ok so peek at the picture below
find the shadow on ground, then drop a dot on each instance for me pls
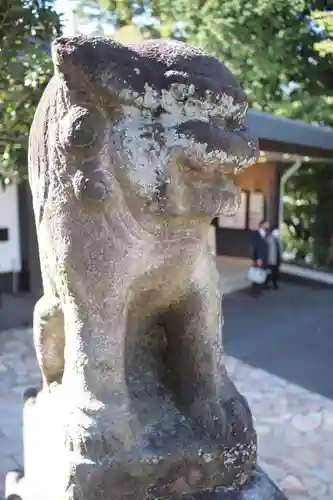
(288, 333)
(16, 311)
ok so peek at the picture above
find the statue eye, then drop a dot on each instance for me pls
(83, 133)
(80, 129)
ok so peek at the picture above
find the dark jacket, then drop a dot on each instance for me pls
(259, 248)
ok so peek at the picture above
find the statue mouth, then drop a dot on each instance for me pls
(209, 172)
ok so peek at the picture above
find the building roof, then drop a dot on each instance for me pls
(283, 135)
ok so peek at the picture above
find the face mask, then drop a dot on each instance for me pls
(275, 233)
(262, 231)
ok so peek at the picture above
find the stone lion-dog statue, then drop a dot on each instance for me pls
(133, 152)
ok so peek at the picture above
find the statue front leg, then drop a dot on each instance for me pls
(49, 338)
(197, 373)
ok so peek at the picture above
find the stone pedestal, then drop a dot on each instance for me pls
(260, 487)
(133, 151)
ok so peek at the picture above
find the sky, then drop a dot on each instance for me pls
(70, 27)
(64, 7)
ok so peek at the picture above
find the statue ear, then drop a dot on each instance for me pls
(71, 63)
(96, 64)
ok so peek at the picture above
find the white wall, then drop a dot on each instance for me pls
(10, 251)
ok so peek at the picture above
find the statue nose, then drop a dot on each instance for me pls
(91, 186)
(219, 145)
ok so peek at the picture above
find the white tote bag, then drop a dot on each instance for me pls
(257, 275)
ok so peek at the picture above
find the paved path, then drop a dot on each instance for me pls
(279, 350)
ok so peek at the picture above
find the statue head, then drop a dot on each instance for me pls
(158, 119)
(131, 143)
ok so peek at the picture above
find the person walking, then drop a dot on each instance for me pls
(274, 258)
(260, 252)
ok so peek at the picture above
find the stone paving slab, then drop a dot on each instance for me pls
(295, 429)
(294, 424)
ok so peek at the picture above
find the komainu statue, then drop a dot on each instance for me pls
(133, 152)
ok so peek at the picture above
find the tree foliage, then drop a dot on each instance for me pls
(26, 28)
(325, 22)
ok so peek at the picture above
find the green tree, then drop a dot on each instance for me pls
(26, 29)
(325, 22)
(307, 214)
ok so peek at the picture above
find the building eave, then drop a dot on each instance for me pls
(290, 136)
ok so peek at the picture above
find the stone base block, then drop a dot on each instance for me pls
(46, 464)
(260, 487)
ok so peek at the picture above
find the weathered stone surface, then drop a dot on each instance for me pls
(132, 153)
(260, 487)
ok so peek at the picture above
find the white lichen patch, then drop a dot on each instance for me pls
(180, 104)
(154, 150)
(142, 150)
(184, 100)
